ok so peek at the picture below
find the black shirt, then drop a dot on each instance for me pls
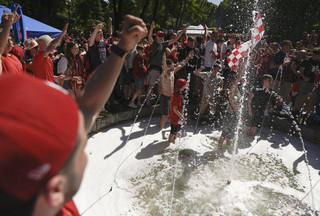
(261, 98)
(279, 57)
(157, 50)
(97, 54)
(310, 67)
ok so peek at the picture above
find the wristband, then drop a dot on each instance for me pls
(118, 51)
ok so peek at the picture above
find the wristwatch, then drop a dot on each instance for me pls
(118, 51)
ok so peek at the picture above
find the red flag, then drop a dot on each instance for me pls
(237, 54)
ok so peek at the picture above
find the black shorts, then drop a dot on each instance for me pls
(164, 104)
(256, 119)
(175, 129)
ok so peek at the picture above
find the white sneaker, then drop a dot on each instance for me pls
(132, 105)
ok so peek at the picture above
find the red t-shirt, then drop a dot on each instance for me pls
(176, 100)
(139, 67)
(69, 209)
(11, 64)
(43, 66)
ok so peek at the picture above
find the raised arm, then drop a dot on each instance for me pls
(197, 72)
(175, 39)
(57, 41)
(151, 32)
(184, 62)
(101, 83)
(7, 21)
(110, 27)
(164, 62)
(204, 37)
(93, 36)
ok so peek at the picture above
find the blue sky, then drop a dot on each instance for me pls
(217, 2)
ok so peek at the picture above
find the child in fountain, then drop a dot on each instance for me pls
(167, 84)
(175, 113)
(231, 117)
(258, 101)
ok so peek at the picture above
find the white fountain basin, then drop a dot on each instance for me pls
(270, 180)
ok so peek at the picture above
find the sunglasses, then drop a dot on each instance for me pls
(160, 35)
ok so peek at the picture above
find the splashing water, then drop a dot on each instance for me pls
(262, 185)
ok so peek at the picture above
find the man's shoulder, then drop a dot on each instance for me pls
(39, 54)
(9, 58)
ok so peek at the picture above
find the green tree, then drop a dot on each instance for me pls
(283, 19)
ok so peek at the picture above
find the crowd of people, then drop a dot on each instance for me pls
(44, 131)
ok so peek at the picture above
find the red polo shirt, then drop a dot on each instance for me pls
(11, 64)
(43, 66)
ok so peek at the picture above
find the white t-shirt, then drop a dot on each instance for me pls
(225, 48)
(62, 66)
(208, 60)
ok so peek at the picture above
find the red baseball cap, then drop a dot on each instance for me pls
(181, 84)
(159, 32)
(38, 132)
(17, 51)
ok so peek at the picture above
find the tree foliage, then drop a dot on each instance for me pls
(84, 14)
(283, 19)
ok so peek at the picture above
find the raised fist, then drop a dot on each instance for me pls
(100, 26)
(134, 29)
(10, 18)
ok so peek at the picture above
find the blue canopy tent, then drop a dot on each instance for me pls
(35, 28)
(28, 27)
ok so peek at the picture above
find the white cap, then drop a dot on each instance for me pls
(45, 38)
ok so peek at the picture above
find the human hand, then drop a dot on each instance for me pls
(110, 20)
(65, 30)
(101, 25)
(184, 29)
(10, 18)
(134, 29)
(153, 25)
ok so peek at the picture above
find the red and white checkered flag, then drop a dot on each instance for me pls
(236, 55)
(257, 31)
